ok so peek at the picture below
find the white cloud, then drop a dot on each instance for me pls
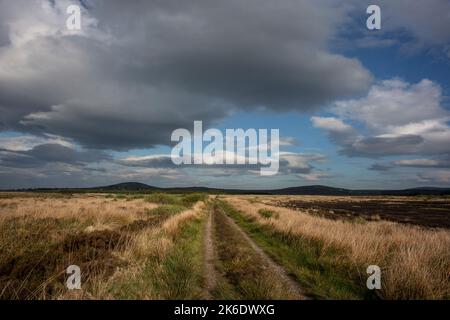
(417, 162)
(140, 70)
(395, 103)
(399, 118)
(339, 131)
(440, 176)
(28, 142)
(331, 124)
(314, 176)
(291, 163)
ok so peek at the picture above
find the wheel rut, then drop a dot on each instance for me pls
(209, 257)
(293, 287)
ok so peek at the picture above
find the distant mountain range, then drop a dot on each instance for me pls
(302, 190)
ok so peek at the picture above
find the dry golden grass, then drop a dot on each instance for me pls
(151, 263)
(158, 241)
(37, 232)
(151, 244)
(41, 235)
(98, 211)
(415, 262)
(330, 198)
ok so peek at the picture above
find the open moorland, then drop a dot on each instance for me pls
(428, 211)
(198, 246)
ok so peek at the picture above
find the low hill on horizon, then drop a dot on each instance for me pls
(300, 190)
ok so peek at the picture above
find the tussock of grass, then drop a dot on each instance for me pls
(266, 213)
(166, 210)
(190, 199)
(181, 271)
(187, 200)
(163, 198)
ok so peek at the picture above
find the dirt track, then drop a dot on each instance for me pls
(293, 288)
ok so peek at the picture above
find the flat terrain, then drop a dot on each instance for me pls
(127, 247)
(423, 211)
(329, 255)
(194, 246)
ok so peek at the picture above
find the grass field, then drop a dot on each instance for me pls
(193, 246)
(126, 247)
(330, 256)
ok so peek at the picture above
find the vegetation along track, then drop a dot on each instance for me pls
(244, 270)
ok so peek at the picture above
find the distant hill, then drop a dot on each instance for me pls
(128, 186)
(301, 190)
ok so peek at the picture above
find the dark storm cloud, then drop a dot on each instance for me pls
(443, 162)
(412, 26)
(423, 163)
(47, 153)
(428, 22)
(164, 161)
(289, 163)
(157, 161)
(140, 69)
(382, 146)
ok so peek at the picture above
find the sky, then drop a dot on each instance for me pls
(355, 108)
